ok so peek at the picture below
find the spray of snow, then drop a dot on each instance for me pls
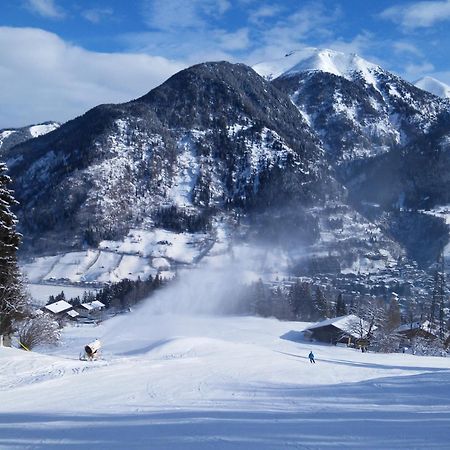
(205, 291)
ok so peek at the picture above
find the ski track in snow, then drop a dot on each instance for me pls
(169, 382)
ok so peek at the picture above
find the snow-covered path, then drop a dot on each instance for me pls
(170, 382)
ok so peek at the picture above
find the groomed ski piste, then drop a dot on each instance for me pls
(175, 374)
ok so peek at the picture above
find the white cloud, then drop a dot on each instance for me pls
(360, 44)
(182, 14)
(312, 22)
(192, 46)
(45, 8)
(419, 14)
(263, 12)
(96, 15)
(50, 79)
(401, 47)
(193, 31)
(414, 70)
(238, 40)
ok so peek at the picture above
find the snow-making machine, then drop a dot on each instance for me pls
(91, 351)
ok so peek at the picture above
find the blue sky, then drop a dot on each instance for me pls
(60, 57)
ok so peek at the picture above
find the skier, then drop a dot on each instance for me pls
(311, 357)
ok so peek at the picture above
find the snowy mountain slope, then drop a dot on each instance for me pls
(386, 139)
(217, 144)
(434, 86)
(315, 59)
(210, 136)
(214, 382)
(359, 109)
(14, 136)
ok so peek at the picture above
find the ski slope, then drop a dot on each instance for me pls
(180, 381)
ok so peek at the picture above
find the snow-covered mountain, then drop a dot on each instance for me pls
(434, 86)
(387, 140)
(212, 137)
(9, 137)
(365, 115)
(358, 109)
(312, 59)
(316, 162)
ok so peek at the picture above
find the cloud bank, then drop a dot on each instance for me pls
(46, 78)
(418, 14)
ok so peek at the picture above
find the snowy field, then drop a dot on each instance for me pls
(178, 381)
(140, 254)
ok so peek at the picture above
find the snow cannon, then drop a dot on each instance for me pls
(92, 350)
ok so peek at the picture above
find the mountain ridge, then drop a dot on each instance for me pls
(293, 161)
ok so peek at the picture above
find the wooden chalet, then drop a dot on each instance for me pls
(350, 330)
(417, 329)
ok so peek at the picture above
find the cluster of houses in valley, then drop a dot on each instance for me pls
(354, 331)
(84, 312)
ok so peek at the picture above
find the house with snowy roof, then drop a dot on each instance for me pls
(349, 329)
(93, 306)
(58, 307)
(91, 309)
(72, 314)
(422, 329)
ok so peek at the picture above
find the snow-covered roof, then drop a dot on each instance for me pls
(344, 323)
(96, 304)
(72, 313)
(58, 307)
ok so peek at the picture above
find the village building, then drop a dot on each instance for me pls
(413, 330)
(59, 307)
(349, 330)
(91, 310)
(73, 315)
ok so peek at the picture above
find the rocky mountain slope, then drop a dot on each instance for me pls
(387, 140)
(324, 163)
(212, 137)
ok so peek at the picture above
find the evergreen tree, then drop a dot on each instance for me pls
(13, 302)
(262, 300)
(301, 301)
(341, 309)
(321, 304)
(60, 296)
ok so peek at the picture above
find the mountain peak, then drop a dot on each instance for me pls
(317, 59)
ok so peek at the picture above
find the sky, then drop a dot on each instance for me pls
(59, 58)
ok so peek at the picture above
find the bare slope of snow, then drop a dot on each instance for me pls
(39, 130)
(140, 254)
(14, 136)
(209, 382)
(434, 86)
